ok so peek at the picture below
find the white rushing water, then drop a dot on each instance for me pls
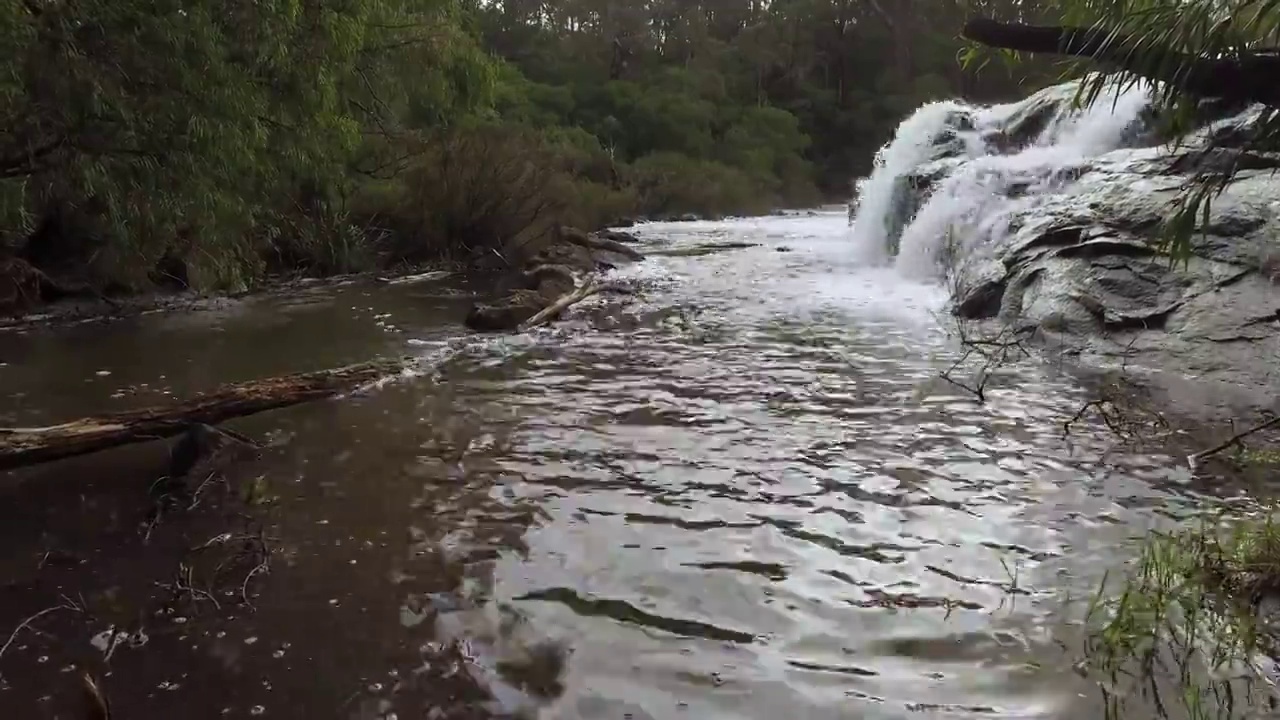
(912, 146)
(972, 203)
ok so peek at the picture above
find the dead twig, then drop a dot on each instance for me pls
(418, 278)
(195, 494)
(1123, 415)
(263, 568)
(1006, 346)
(65, 605)
(97, 707)
(260, 551)
(254, 552)
(1195, 459)
(1107, 411)
(184, 584)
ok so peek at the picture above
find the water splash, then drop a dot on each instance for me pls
(914, 144)
(950, 178)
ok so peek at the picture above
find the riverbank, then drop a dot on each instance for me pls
(476, 279)
(485, 277)
(102, 308)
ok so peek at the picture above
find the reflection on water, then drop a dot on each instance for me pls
(745, 496)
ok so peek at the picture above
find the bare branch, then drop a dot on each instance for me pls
(1197, 458)
(65, 605)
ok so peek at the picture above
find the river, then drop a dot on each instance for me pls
(743, 494)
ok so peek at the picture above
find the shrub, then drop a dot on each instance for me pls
(591, 205)
(476, 194)
(669, 184)
(320, 242)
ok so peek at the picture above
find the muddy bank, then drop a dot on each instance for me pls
(578, 253)
(450, 279)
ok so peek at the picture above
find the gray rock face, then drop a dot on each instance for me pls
(1077, 258)
(1083, 266)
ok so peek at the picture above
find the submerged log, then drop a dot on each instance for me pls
(29, 446)
(1247, 76)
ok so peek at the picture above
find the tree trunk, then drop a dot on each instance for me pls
(29, 446)
(1249, 77)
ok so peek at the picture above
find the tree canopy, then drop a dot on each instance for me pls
(209, 144)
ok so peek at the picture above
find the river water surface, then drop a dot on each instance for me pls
(744, 494)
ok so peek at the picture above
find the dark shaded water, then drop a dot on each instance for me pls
(744, 496)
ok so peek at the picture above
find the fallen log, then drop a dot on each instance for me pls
(704, 249)
(1247, 76)
(29, 446)
(592, 241)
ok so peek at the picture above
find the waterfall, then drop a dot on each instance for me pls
(954, 174)
(880, 195)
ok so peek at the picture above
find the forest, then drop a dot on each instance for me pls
(214, 145)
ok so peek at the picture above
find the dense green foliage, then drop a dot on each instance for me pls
(195, 132)
(213, 143)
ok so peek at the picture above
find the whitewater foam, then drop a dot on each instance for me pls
(971, 205)
(912, 146)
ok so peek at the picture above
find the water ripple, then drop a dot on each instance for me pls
(745, 495)
(782, 458)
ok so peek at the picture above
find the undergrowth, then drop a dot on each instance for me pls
(1188, 631)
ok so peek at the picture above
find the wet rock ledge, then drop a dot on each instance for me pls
(560, 270)
(1076, 262)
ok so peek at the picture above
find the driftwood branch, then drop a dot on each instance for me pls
(29, 446)
(1247, 76)
(418, 278)
(588, 288)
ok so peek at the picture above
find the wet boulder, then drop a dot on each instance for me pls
(582, 251)
(618, 236)
(603, 250)
(506, 313)
(1059, 218)
(1083, 265)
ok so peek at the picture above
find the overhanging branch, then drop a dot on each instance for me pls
(1249, 77)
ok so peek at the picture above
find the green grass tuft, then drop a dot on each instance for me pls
(1184, 633)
